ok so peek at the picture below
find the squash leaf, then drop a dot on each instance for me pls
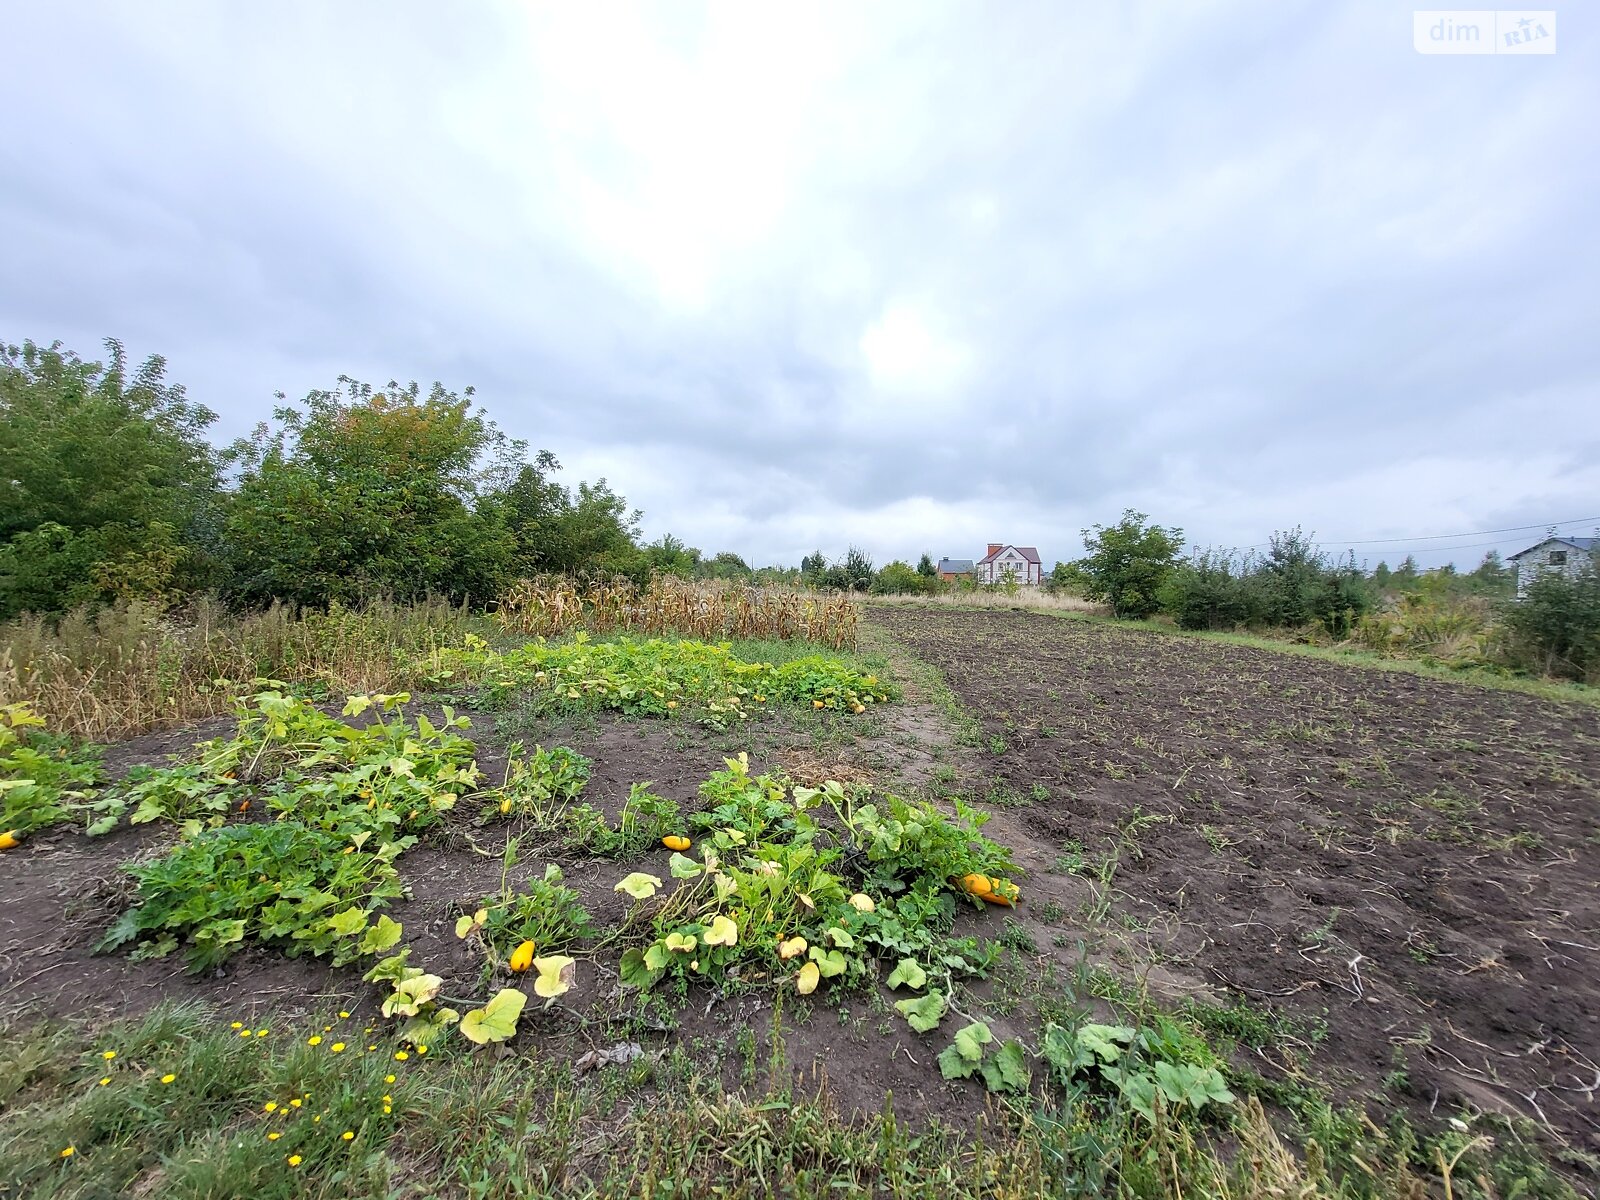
(683, 867)
(807, 981)
(380, 937)
(910, 973)
(639, 885)
(497, 1020)
(923, 1012)
(636, 972)
(1007, 1070)
(555, 976)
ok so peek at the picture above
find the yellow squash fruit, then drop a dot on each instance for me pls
(522, 957)
(676, 841)
(976, 884)
(1002, 891)
(8, 840)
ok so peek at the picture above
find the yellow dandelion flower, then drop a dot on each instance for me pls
(69, 1152)
(344, 1016)
(401, 1056)
(316, 1118)
(261, 1033)
(244, 1033)
(388, 1078)
(105, 1080)
(314, 1040)
(168, 1078)
(337, 1047)
(108, 1055)
(237, 1025)
(270, 1106)
(388, 1099)
(296, 1102)
(422, 1049)
(274, 1136)
(373, 1047)
(348, 1134)
(295, 1160)
(387, 1109)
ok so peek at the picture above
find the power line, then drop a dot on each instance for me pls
(1435, 537)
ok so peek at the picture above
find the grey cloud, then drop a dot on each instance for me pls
(1243, 265)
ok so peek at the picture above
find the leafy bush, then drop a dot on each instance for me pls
(1292, 586)
(1127, 563)
(547, 913)
(1430, 622)
(645, 819)
(1554, 629)
(111, 483)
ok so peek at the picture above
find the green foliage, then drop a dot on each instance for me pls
(659, 678)
(906, 840)
(280, 884)
(44, 778)
(1291, 586)
(112, 487)
(546, 912)
(899, 578)
(852, 573)
(767, 900)
(1554, 628)
(1432, 622)
(645, 819)
(1128, 562)
(360, 491)
(1143, 1066)
(539, 785)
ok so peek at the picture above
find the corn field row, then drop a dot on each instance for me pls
(710, 611)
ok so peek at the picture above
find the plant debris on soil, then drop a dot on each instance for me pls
(1412, 866)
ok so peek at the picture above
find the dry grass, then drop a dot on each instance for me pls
(1030, 598)
(708, 611)
(129, 668)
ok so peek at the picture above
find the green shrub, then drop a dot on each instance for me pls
(1554, 629)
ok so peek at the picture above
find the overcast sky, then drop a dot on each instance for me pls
(913, 276)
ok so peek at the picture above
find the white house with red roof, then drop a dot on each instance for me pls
(1020, 562)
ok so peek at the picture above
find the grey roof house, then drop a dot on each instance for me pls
(949, 568)
(1568, 555)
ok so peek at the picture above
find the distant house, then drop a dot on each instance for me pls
(1022, 562)
(951, 569)
(1567, 555)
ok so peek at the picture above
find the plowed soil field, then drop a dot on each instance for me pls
(1407, 866)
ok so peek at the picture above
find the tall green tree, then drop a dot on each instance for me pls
(1128, 562)
(361, 491)
(108, 487)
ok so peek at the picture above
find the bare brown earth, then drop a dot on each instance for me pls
(1407, 867)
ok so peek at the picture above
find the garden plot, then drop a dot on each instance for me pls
(1389, 882)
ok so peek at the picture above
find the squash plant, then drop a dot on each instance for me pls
(272, 883)
(44, 779)
(1146, 1066)
(660, 677)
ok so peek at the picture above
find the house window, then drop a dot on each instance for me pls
(1558, 558)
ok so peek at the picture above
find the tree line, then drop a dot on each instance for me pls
(111, 490)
